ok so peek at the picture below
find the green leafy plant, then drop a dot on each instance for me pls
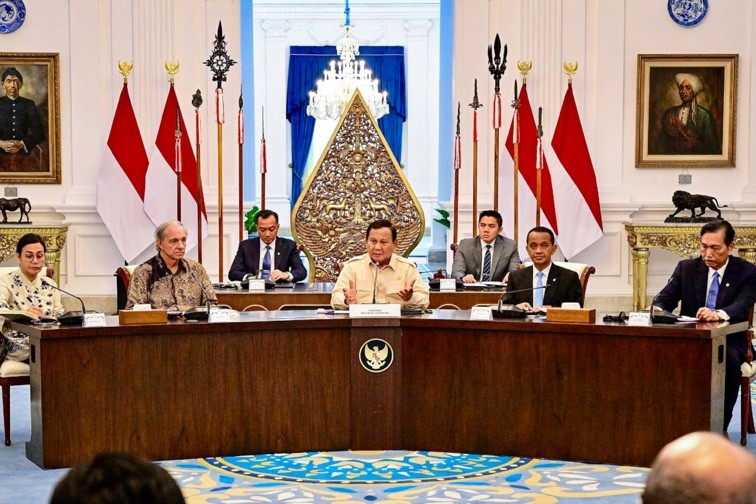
(443, 218)
(250, 223)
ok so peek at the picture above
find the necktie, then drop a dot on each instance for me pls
(486, 265)
(711, 299)
(266, 263)
(538, 292)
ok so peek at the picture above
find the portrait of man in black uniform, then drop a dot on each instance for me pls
(21, 127)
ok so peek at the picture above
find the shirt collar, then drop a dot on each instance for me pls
(721, 270)
(545, 272)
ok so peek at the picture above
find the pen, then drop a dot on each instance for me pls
(322, 311)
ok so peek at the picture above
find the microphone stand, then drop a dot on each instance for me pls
(68, 317)
(375, 280)
(501, 298)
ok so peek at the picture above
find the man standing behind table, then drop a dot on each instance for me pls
(267, 255)
(487, 257)
(716, 286)
(380, 276)
(551, 285)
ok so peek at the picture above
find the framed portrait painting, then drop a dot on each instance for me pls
(29, 118)
(686, 110)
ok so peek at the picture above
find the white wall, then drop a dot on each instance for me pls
(605, 37)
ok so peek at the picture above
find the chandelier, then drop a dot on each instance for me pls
(342, 78)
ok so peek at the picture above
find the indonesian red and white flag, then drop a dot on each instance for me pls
(121, 181)
(577, 199)
(527, 187)
(160, 191)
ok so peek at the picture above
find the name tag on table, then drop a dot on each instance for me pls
(219, 316)
(256, 285)
(375, 310)
(639, 319)
(447, 284)
(481, 313)
(93, 320)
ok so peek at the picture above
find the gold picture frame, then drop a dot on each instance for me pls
(686, 110)
(36, 121)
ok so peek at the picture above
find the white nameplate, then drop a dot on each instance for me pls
(639, 319)
(256, 285)
(93, 320)
(481, 313)
(142, 307)
(447, 284)
(375, 310)
(217, 315)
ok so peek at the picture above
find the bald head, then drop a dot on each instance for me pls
(702, 467)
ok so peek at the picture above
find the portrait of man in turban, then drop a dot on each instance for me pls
(689, 127)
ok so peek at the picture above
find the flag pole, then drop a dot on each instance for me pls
(263, 162)
(457, 168)
(240, 125)
(219, 63)
(539, 167)
(516, 141)
(172, 69)
(475, 105)
(496, 67)
(197, 102)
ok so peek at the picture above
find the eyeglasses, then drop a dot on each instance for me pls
(32, 257)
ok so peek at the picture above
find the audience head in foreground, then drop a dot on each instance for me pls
(117, 478)
(380, 276)
(702, 467)
(487, 257)
(168, 280)
(267, 255)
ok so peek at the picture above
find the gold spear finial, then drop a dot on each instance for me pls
(524, 67)
(172, 67)
(124, 67)
(570, 68)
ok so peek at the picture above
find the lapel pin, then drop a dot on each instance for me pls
(727, 284)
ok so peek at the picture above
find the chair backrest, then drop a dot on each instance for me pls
(123, 279)
(255, 307)
(583, 270)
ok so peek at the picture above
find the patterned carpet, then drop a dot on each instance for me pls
(401, 476)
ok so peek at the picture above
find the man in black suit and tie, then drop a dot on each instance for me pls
(268, 255)
(544, 283)
(487, 257)
(716, 286)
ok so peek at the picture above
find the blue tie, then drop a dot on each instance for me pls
(538, 292)
(487, 265)
(711, 299)
(266, 263)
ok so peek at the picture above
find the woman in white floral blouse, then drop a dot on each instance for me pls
(23, 290)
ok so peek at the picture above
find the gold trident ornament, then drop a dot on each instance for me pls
(125, 67)
(570, 68)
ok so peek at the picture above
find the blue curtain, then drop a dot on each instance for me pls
(306, 65)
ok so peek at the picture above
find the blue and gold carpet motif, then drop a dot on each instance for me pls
(401, 477)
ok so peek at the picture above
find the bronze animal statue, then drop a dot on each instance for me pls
(683, 200)
(11, 205)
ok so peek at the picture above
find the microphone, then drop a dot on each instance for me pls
(664, 317)
(501, 298)
(198, 313)
(69, 317)
(375, 280)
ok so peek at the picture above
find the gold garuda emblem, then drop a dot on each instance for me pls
(356, 181)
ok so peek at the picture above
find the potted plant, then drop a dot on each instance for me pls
(250, 220)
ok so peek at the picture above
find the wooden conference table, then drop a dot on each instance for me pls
(320, 294)
(290, 381)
